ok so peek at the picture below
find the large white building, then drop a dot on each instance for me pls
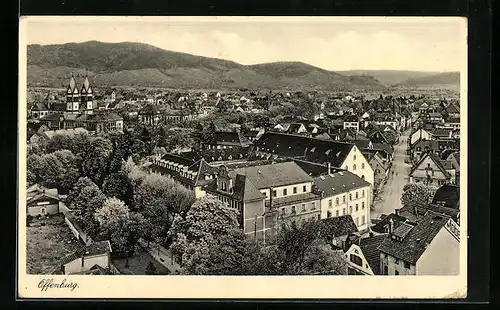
(343, 193)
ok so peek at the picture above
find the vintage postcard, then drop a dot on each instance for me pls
(242, 157)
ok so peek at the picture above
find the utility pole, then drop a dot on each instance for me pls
(255, 227)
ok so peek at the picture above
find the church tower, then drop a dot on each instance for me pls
(72, 96)
(87, 97)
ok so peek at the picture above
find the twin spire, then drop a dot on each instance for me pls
(85, 86)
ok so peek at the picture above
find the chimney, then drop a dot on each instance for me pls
(396, 211)
(391, 226)
(415, 211)
(329, 167)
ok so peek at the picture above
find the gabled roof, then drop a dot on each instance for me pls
(310, 149)
(39, 106)
(455, 156)
(452, 108)
(425, 144)
(435, 160)
(396, 219)
(338, 226)
(415, 242)
(383, 147)
(94, 248)
(294, 128)
(231, 138)
(313, 169)
(273, 175)
(369, 247)
(339, 182)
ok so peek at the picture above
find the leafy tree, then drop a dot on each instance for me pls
(197, 135)
(59, 142)
(85, 198)
(209, 136)
(96, 161)
(80, 144)
(206, 220)
(50, 170)
(159, 198)
(122, 227)
(302, 250)
(119, 185)
(35, 165)
(69, 169)
(417, 192)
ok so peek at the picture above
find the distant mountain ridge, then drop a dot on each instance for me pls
(138, 64)
(390, 77)
(445, 78)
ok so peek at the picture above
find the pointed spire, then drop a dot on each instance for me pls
(72, 82)
(86, 83)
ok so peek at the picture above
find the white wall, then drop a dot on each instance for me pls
(356, 215)
(442, 256)
(198, 192)
(356, 250)
(363, 168)
(416, 136)
(394, 265)
(421, 173)
(289, 189)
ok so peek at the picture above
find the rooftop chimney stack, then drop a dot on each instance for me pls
(391, 226)
(329, 167)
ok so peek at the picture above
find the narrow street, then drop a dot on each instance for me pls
(390, 195)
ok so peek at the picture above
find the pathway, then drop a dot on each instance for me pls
(390, 196)
(161, 255)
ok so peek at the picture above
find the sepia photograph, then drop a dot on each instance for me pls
(259, 154)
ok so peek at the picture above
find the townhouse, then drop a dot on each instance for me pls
(344, 193)
(430, 247)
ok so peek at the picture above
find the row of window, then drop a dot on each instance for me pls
(407, 265)
(354, 165)
(356, 207)
(294, 190)
(356, 220)
(337, 200)
(293, 210)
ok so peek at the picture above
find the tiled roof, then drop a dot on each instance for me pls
(94, 270)
(337, 226)
(369, 246)
(339, 182)
(273, 175)
(414, 244)
(384, 147)
(362, 144)
(396, 219)
(313, 169)
(39, 106)
(294, 128)
(211, 155)
(183, 160)
(440, 132)
(351, 118)
(295, 146)
(94, 248)
(231, 138)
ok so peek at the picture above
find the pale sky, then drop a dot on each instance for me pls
(422, 44)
